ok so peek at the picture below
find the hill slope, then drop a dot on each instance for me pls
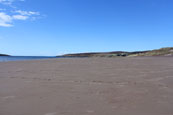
(159, 52)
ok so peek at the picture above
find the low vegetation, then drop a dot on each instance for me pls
(159, 52)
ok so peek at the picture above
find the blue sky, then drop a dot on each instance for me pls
(54, 27)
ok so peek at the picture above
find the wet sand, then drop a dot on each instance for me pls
(87, 86)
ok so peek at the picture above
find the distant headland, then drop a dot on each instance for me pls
(168, 51)
(4, 55)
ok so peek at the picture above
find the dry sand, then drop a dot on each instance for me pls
(87, 86)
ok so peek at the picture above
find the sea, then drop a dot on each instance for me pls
(20, 58)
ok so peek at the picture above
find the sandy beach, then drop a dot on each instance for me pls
(87, 86)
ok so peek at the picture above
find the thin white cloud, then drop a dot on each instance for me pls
(9, 2)
(7, 19)
(28, 13)
(5, 24)
(6, 2)
(20, 17)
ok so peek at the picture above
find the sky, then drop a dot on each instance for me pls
(56, 27)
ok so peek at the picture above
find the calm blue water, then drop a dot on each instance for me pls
(18, 58)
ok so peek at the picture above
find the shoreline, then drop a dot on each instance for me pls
(54, 58)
